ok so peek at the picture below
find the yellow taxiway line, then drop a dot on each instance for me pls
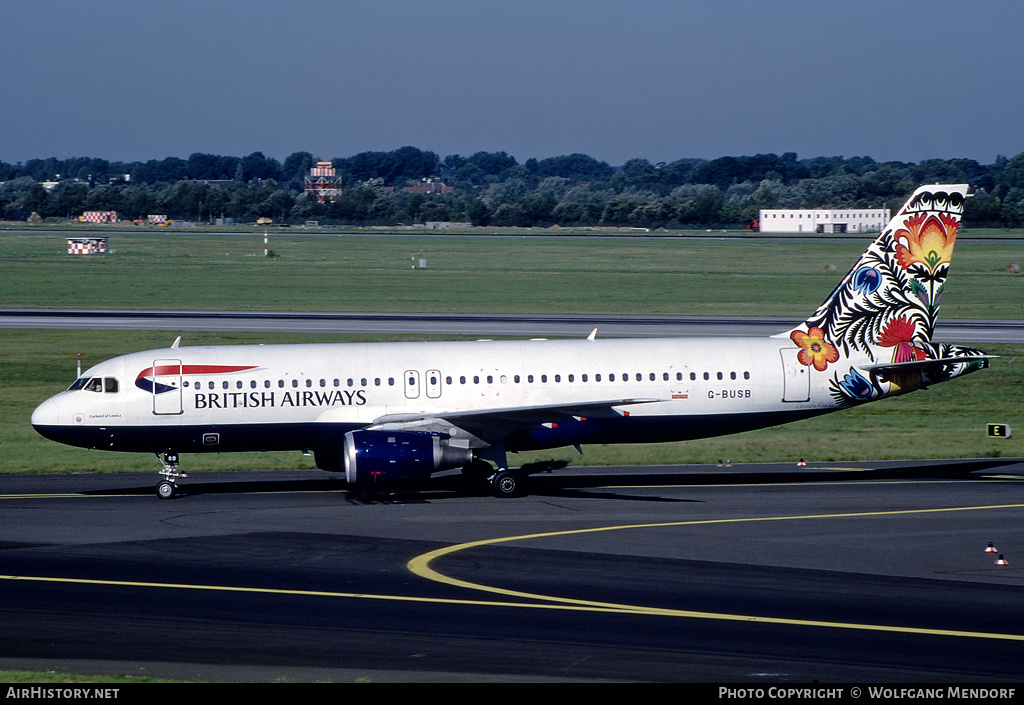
(421, 567)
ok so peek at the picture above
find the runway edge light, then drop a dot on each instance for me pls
(998, 430)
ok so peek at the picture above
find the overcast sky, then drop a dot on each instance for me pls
(904, 80)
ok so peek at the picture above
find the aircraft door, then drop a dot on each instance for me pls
(433, 384)
(166, 376)
(412, 384)
(796, 377)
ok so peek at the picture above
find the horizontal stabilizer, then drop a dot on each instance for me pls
(918, 364)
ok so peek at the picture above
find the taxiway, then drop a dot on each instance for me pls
(755, 573)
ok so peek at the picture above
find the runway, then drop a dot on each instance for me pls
(863, 572)
(480, 325)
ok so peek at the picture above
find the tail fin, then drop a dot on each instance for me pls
(882, 315)
(894, 290)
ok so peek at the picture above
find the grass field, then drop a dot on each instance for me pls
(473, 275)
(638, 276)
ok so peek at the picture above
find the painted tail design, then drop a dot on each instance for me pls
(873, 333)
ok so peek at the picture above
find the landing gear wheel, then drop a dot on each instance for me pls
(168, 488)
(507, 483)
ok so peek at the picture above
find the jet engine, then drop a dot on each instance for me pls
(387, 457)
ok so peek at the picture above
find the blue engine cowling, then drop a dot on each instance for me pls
(386, 457)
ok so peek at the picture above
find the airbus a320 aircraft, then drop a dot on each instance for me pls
(384, 413)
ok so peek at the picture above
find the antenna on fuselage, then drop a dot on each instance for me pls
(593, 334)
(176, 341)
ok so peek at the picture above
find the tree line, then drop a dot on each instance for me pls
(494, 188)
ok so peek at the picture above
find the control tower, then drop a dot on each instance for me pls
(323, 182)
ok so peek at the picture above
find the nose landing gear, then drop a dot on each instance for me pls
(168, 487)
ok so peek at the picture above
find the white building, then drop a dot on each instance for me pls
(854, 220)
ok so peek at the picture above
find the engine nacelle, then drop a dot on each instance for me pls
(386, 457)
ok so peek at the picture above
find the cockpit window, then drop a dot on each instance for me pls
(96, 384)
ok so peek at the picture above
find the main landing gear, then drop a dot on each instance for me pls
(507, 482)
(168, 487)
(511, 482)
(501, 482)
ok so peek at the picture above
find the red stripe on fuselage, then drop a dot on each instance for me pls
(164, 370)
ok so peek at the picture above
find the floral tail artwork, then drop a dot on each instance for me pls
(872, 336)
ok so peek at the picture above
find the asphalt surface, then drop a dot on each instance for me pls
(960, 331)
(862, 572)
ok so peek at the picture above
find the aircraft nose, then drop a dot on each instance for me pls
(46, 413)
(49, 416)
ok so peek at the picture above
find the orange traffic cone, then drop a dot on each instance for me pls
(990, 548)
(1001, 560)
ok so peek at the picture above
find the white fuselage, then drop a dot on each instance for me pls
(268, 397)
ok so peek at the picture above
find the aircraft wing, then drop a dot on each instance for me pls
(478, 428)
(515, 415)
